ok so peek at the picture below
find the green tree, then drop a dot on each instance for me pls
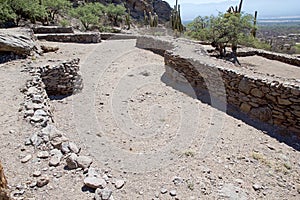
(54, 7)
(88, 14)
(115, 13)
(28, 9)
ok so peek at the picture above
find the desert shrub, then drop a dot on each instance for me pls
(64, 22)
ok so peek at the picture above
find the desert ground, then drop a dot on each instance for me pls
(137, 128)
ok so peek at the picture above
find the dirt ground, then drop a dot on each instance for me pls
(138, 129)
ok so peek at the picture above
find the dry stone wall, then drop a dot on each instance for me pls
(62, 79)
(264, 98)
(71, 37)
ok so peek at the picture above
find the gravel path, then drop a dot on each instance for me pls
(163, 143)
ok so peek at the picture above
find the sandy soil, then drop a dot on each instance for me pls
(141, 130)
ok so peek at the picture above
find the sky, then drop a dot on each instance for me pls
(266, 8)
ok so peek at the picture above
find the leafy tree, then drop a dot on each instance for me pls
(28, 9)
(222, 30)
(115, 13)
(89, 14)
(54, 7)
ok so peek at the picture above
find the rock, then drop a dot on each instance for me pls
(119, 184)
(173, 193)
(65, 147)
(284, 102)
(94, 182)
(43, 154)
(47, 49)
(103, 194)
(257, 93)
(26, 158)
(36, 173)
(92, 172)
(245, 107)
(71, 161)
(84, 161)
(262, 113)
(163, 190)
(245, 86)
(55, 160)
(177, 180)
(40, 112)
(73, 147)
(257, 186)
(20, 43)
(42, 181)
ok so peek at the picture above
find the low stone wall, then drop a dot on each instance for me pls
(52, 29)
(71, 37)
(62, 79)
(264, 98)
(117, 36)
(288, 59)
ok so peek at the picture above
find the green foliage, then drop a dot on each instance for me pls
(250, 41)
(229, 28)
(64, 22)
(54, 7)
(115, 13)
(89, 14)
(34, 10)
(28, 9)
(6, 13)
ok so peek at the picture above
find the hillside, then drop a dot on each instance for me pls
(137, 7)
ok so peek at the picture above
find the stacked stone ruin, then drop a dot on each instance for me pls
(267, 99)
(62, 79)
(65, 34)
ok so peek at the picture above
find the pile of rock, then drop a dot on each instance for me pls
(36, 105)
(62, 79)
(268, 99)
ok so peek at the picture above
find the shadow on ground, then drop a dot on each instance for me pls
(278, 133)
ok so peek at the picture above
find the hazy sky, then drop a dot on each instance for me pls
(266, 8)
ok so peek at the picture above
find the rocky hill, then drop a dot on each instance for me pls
(137, 7)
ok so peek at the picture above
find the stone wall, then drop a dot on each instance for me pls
(264, 98)
(62, 79)
(52, 29)
(71, 37)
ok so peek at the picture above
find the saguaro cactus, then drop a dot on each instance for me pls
(253, 32)
(175, 17)
(127, 19)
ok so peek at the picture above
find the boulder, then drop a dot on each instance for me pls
(16, 41)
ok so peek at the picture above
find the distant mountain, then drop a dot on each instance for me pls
(264, 8)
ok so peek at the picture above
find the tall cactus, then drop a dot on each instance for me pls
(240, 6)
(175, 17)
(253, 32)
(127, 19)
(146, 18)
